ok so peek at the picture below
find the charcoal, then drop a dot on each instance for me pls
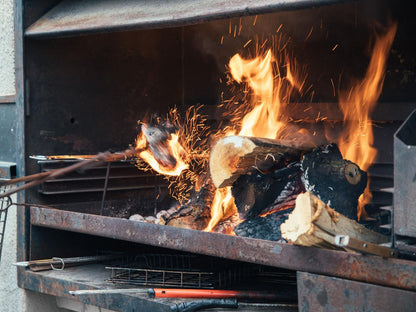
(267, 227)
(256, 193)
(336, 181)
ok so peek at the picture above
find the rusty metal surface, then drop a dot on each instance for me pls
(323, 293)
(405, 178)
(59, 283)
(372, 269)
(75, 17)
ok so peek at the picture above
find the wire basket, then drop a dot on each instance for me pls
(5, 203)
(181, 271)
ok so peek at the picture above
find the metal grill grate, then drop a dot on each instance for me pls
(181, 271)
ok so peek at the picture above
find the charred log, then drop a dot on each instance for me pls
(257, 193)
(336, 181)
(267, 227)
(227, 225)
(157, 137)
(234, 156)
(196, 213)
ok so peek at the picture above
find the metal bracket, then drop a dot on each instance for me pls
(349, 242)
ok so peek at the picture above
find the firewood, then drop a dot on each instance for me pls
(336, 181)
(267, 227)
(313, 223)
(157, 138)
(233, 156)
(257, 193)
(196, 213)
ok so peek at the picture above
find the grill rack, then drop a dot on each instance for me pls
(179, 271)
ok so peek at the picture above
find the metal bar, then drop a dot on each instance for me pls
(107, 174)
(90, 190)
(81, 17)
(371, 269)
(405, 178)
(65, 261)
(323, 293)
(84, 292)
(349, 242)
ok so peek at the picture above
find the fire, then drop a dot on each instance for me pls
(222, 206)
(172, 148)
(356, 142)
(271, 91)
(268, 81)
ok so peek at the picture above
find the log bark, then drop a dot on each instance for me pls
(196, 213)
(235, 155)
(312, 222)
(257, 193)
(336, 181)
(267, 227)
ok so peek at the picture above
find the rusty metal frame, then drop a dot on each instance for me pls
(84, 17)
(323, 293)
(365, 268)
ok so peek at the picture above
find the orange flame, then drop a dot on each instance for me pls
(270, 95)
(174, 148)
(356, 142)
(271, 91)
(222, 205)
(180, 155)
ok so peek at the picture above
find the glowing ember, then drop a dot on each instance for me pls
(356, 142)
(222, 206)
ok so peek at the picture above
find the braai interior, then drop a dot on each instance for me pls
(275, 126)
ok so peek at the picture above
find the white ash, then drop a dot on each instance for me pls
(136, 217)
(237, 141)
(150, 219)
(162, 213)
(160, 217)
(172, 210)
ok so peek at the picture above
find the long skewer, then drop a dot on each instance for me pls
(39, 178)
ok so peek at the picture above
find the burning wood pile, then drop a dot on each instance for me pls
(262, 176)
(267, 178)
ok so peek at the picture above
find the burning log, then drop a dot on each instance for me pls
(257, 193)
(157, 139)
(267, 227)
(313, 223)
(234, 156)
(196, 213)
(336, 181)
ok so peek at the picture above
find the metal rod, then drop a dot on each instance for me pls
(107, 175)
(108, 291)
(44, 176)
(73, 260)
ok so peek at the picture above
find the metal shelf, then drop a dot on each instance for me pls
(372, 269)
